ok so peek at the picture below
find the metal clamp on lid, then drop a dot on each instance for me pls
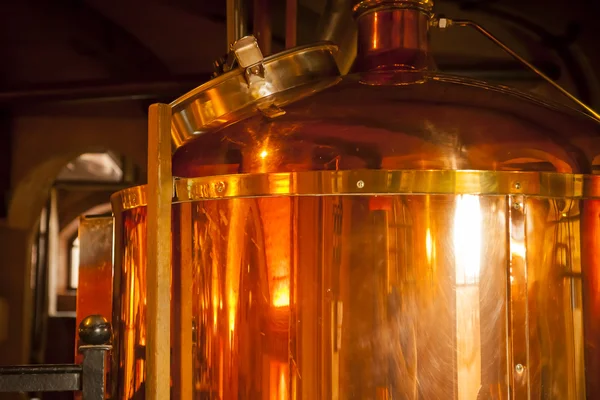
(247, 83)
(245, 53)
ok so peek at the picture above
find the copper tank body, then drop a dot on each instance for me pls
(396, 234)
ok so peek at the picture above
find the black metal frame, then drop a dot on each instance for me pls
(41, 378)
(89, 377)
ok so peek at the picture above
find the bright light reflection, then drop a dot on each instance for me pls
(467, 239)
(215, 290)
(277, 239)
(279, 376)
(281, 293)
(264, 154)
(428, 245)
(265, 89)
(517, 248)
(236, 237)
(467, 248)
(375, 32)
(282, 384)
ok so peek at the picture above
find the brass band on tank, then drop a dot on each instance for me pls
(543, 184)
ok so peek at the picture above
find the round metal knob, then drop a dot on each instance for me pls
(95, 330)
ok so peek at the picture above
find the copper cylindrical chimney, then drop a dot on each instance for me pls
(393, 34)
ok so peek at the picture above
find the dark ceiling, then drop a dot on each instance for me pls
(73, 49)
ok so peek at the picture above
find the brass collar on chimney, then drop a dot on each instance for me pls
(362, 7)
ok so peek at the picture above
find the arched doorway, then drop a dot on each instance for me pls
(82, 187)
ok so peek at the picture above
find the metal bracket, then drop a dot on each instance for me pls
(443, 23)
(246, 54)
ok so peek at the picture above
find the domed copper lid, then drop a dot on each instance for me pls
(402, 120)
(387, 116)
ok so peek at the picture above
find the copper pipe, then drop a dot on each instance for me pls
(338, 26)
(291, 23)
(446, 22)
(236, 21)
(262, 25)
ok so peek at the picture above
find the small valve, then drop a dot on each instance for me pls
(444, 23)
(441, 22)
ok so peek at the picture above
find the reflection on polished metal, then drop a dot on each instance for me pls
(95, 270)
(375, 182)
(381, 30)
(127, 199)
(246, 53)
(287, 77)
(337, 26)
(129, 309)
(236, 20)
(326, 183)
(95, 330)
(378, 182)
(278, 314)
(365, 6)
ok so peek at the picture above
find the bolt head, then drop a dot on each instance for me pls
(519, 368)
(95, 330)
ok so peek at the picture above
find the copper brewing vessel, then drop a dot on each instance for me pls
(391, 234)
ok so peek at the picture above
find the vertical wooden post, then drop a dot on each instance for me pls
(160, 195)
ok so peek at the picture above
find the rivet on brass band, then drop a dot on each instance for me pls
(371, 182)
